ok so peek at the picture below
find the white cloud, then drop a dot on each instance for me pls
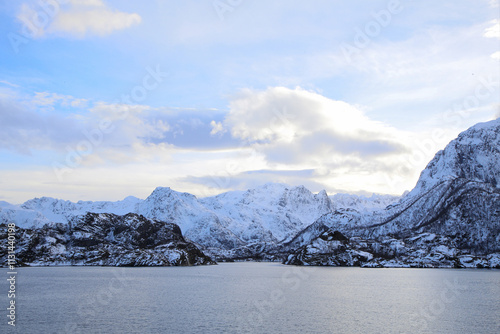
(48, 101)
(5, 82)
(36, 122)
(299, 129)
(217, 128)
(494, 30)
(286, 117)
(89, 3)
(24, 129)
(132, 124)
(77, 18)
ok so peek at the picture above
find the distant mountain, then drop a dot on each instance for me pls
(60, 211)
(455, 207)
(197, 222)
(363, 203)
(264, 215)
(272, 213)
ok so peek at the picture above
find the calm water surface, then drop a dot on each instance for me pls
(253, 298)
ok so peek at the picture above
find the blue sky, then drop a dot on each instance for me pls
(104, 99)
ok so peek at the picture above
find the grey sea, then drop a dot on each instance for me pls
(252, 298)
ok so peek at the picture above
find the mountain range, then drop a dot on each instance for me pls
(450, 219)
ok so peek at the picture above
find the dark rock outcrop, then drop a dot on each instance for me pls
(106, 240)
(425, 250)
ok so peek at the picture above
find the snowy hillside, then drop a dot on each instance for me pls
(271, 213)
(196, 222)
(473, 156)
(457, 198)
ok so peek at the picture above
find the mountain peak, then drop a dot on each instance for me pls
(168, 192)
(473, 156)
(323, 193)
(162, 189)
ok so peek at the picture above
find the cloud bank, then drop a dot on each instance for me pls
(76, 18)
(295, 126)
(297, 136)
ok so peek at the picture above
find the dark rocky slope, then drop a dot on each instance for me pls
(105, 240)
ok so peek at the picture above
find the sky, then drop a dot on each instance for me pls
(102, 99)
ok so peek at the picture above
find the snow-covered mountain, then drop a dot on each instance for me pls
(197, 222)
(60, 211)
(271, 213)
(454, 209)
(22, 217)
(474, 155)
(457, 198)
(267, 214)
(363, 203)
(104, 239)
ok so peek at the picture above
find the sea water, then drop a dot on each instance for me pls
(250, 297)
